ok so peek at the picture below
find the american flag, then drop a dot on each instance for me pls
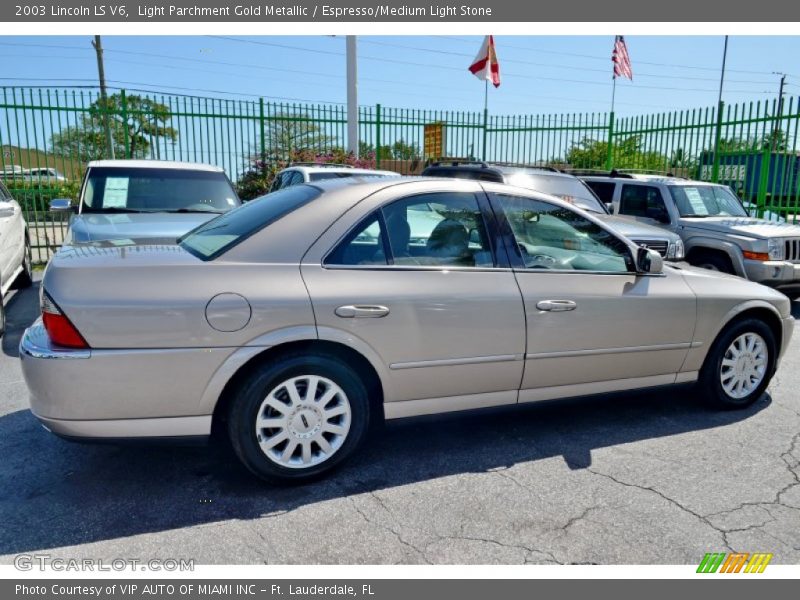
(621, 60)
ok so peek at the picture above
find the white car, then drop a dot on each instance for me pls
(15, 251)
(310, 172)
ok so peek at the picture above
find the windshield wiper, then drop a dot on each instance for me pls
(195, 210)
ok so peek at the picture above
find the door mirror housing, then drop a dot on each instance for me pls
(6, 209)
(61, 205)
(649, 261)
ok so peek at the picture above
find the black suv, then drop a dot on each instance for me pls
(549, 180)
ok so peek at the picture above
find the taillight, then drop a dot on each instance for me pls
(60, 329)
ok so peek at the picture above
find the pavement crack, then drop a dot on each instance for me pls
(672, 501)
(385, 527)
(529, 551)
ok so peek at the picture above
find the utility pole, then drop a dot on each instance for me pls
(352, 96)
(101, 72)
(720, 106)
(777, 128)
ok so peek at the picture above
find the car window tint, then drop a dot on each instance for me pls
(294, 179)
(228, 230)
(641, 201)
(603, 189)
(556, 238)
(4, 194)
(363, 246)
(438, 229)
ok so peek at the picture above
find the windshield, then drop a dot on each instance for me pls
(226, 231)
(127, 189)
(571, 189)
(706, 201)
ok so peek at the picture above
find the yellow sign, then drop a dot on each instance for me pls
(434, 140)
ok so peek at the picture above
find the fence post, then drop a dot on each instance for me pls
(610, 154)
(485, 131)
(717, 139)
(262, 139)
(377, 136)
(123, 102)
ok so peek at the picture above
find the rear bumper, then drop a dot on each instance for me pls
(118, 394)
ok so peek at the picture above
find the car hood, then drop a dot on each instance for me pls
(635, 229)
(756, 228)
(92, 227)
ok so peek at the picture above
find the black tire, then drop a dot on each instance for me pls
(2, 315)
(710, 385)
(25, 278)
(713, 262)
(247, 403)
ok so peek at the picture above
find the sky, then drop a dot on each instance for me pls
(540, 74)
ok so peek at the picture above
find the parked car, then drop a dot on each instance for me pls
(46, 175)
(567, 187)
(132, 199)
(15, 250)
(300, 320)
(716, 229)
(309, 172)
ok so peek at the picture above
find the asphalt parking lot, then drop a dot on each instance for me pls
(645, 478)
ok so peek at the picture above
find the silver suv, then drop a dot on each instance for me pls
(299, 173)
(717, 231)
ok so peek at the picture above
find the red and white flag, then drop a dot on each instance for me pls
(486, 65)
(621, 60)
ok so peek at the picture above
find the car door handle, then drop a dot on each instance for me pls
(362, 311)
(556, 305)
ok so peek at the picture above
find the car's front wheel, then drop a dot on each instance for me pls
(298, 417)
(739, 365)
(25, 277)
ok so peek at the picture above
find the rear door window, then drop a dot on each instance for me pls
(603, 189)
(642, 201)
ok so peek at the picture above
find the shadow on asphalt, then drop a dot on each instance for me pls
(55, 493)
(22, 309)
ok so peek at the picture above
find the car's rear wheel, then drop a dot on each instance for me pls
(298, 417)
(739, 365)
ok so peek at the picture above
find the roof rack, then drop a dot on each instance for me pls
(319, 164)
(452, 161)
(599, 173)
(526, 166)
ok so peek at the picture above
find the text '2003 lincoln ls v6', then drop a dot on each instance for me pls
(299, 320)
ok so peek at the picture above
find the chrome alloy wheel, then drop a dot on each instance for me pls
(744, 365)
(303, 421)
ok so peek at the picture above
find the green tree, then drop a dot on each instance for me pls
(141, 123)
(286, 134)
(628, 154)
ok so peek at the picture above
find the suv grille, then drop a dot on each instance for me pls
(659, 246)
(792, 250)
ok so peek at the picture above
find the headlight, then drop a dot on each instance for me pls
(676, 251)
(775, 248)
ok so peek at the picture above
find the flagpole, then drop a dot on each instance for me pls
(485, 115)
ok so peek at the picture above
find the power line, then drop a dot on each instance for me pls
(592, 57)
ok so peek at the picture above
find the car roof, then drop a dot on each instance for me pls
(337, 169)
(155, 164)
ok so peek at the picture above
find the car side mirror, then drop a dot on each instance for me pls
(649, 261)
(61, 205)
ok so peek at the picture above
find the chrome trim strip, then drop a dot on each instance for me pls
(35, 343)
(574, 390)
(598, 351)
(449, 362)
(428, 406)
(131, 428)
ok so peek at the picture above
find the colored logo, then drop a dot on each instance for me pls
(735, 562)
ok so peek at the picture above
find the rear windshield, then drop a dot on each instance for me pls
(571, 189)
(125, 189)
(222, 233)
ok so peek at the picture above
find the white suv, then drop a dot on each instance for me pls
(307, 172)
(15, 251)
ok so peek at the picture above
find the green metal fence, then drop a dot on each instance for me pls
(48, 135)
